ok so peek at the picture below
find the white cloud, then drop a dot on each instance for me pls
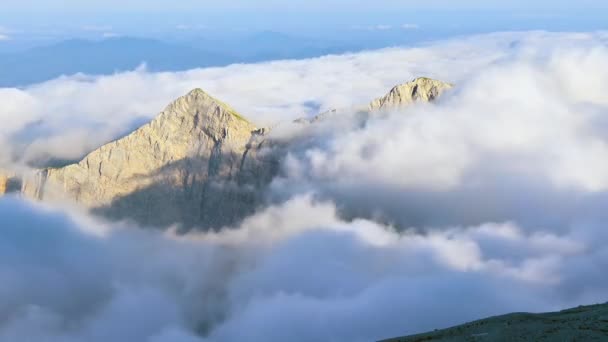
(410, 26)
(489, 201)
(97, 28)
(293, 270)
(524, 135)
(382, 27)
(184, 27)
(286, 93)
(379, 27)
(531, 115)
(110, 35)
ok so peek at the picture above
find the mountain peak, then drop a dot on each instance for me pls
(197, 102)
(196, 163)
(197, 92)
(420, 89)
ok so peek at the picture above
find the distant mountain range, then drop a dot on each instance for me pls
(100, 57)
(117, 54)
(106, 56)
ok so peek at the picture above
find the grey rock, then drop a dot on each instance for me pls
(198, 164)
(421, 89)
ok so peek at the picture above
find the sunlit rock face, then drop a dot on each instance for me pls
(197, 164)
(9, 182)
(421, 89)
(3, 184)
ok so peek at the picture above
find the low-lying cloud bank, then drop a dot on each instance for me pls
(489, 201)
(521, 139)
(294, 272)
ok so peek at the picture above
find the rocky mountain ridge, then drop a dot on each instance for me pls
(186, 166)
(199, 163)
(421, 89)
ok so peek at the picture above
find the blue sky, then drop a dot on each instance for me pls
(365, 5)
(25, 23)
(298, 14)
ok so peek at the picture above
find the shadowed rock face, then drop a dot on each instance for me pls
(196, 164)
(585, 323)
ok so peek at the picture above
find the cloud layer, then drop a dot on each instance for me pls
(294, 271)
(92, 110)
(489, 201)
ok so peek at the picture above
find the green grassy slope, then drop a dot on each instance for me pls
(585, 323)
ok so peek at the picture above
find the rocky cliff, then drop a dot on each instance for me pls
(4, 181)
(9, 182)
(421, 89)
(196, 164)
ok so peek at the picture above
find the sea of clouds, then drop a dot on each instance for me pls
(489, 201)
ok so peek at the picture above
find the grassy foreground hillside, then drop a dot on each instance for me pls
(584, 323)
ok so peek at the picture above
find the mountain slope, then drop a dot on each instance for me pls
(585, 323)
(190, 166)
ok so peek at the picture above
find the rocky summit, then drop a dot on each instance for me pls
(199, 164)
(421, 89)
(195, 164)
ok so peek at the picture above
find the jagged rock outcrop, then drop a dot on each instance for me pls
(421, 89)
(197, 164)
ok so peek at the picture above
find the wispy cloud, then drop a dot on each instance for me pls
(379, 27)
(410, 26)
(97, 28)
(5, 33)
(110, 35)
(184, 27)
(382, 27)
